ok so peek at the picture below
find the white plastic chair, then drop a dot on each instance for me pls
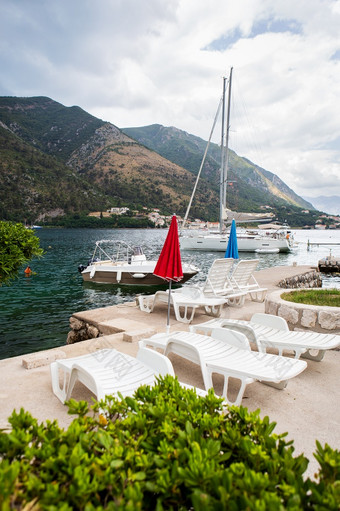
(269, 331)
(229, 355)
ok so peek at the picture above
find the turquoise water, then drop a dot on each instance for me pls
(35, 311)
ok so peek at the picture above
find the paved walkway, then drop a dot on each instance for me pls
(305, 409)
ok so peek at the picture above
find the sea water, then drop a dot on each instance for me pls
(35, 310)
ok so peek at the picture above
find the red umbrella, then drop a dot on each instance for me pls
(169, 264)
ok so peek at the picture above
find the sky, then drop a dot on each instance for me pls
(141, 62)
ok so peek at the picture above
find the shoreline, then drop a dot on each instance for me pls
(308, 398)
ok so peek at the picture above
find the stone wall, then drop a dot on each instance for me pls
(300, 316)
(308, 279)
(81, 331)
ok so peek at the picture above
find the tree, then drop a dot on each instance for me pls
(17, 246)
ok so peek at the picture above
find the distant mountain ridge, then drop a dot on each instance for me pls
(329, 204)
(57, 160)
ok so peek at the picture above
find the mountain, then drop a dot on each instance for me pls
(330, 205)
(247, 178)
(57, 160)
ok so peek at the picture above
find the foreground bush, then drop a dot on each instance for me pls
(165, 448)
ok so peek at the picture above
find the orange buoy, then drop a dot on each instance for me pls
(28, 271)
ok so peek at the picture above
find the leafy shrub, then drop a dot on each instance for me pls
(17, 246)
(165, 448)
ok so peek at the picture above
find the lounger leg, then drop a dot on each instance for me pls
(236, 301)
(146, 303)
(60, 392)
(213, 310)
(258, 296)
(280, 386)
(317, 358)
(187, 314)
(239, 397)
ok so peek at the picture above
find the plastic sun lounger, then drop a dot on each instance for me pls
(213, 295)
(229, 356)
(186, 300)
(268, 331)
(109, 371)
(242, 279)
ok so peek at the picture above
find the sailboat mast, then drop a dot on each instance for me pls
(226, 161)
(224, 150)
(222, 156)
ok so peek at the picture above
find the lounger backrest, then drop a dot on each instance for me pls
(218, 276)
(231, 337)
(269, 320)
(156, 361)
(243, 271)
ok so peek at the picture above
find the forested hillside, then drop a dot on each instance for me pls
(57, 160)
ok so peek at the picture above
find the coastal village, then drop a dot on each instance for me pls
(324, 221)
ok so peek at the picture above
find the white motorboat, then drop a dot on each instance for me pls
(116, 262)
(279, 240)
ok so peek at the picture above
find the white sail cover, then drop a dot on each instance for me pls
(239, 217)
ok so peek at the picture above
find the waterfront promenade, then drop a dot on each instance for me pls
(306, 409)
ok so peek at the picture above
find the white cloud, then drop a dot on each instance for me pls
(135, 63)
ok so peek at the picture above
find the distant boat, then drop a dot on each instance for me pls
(33, 226)
(116, 262)
(247, 241)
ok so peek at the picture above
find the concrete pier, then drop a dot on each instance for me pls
(305, 409)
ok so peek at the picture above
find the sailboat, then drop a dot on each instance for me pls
(269, 241)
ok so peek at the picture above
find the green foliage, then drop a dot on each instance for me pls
(17, 246)
(322, 297)
(164, 449)
(112, 222)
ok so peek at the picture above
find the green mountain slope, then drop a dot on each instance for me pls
(34, 185)
(103, 161)
(48, 125)
(250, 182)
(57, 160)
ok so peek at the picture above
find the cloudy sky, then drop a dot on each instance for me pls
(140, 62)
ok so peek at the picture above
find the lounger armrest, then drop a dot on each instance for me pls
(270, 321)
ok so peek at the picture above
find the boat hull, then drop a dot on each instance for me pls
(128, 276)
(218, 243)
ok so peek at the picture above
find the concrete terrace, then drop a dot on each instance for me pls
(305, 409)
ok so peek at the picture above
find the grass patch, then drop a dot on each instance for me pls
(323, 297)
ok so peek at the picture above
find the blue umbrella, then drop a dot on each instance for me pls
(232, 250)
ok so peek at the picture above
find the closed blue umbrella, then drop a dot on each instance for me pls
(232, 250)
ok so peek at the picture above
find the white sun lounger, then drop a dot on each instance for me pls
(184, 303)
(109, 371)
(268, 331)
(242, 279)
(230, 356)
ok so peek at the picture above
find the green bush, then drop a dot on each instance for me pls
(17, 246)
(164, 449)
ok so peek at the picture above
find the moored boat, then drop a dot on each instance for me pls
(277, 237)
(116, 262)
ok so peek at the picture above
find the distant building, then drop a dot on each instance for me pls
(118, 211)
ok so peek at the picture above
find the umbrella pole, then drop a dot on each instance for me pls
(168, 318)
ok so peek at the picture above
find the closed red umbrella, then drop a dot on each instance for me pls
(169, 264)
